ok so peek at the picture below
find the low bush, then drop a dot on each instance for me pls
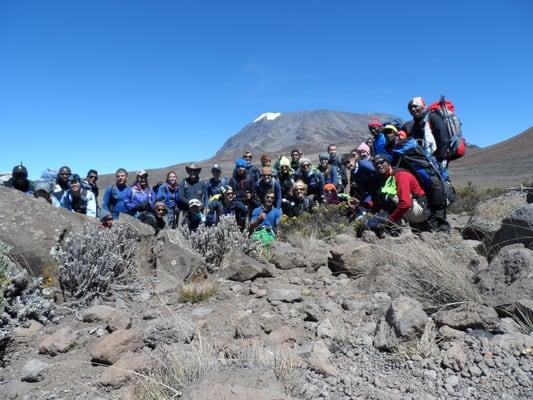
(92, 260)
(4, 266)
(213, 243)
(468, 197)
(325, 222)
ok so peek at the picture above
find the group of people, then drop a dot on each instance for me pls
(370, 178)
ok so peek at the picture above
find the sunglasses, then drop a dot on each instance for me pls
(160, 209)
(93, 177)
(247, 157)
(306, 165)
(380, 162)
(269, 197)
(299, 189)
(267, 175)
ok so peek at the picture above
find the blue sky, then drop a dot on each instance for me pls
(146, 84)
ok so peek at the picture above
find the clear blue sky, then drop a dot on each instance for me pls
(145, 84)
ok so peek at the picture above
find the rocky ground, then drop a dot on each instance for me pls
(345, 319)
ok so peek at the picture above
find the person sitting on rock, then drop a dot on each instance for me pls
(19, 180)
(194, 216)
(78, 199)
(312, 178)
(139, 199)
(113, 200)
(268, 182)
(227, 204)
(299, 203)
(168, 193)
(192, 187)
(265, 219)
(62, 182)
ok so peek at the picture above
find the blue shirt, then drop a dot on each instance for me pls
(271, 220)
(113, 200)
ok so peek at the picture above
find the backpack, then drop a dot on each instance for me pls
(446, 111)
(412, 157)
(49, 175)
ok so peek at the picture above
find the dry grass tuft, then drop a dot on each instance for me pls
(197, 292)
(424, 347)
(425, 272)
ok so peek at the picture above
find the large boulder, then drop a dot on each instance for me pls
(240, 267)
(404, 320)
(517, 228)
(509, 276)
(468, 315)
(480, 229)
(286, 256)
(32, 227)
(176, 262)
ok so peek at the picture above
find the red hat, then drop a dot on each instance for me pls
(402, 135)
(374, 122)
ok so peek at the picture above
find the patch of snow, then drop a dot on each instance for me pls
(269, 116)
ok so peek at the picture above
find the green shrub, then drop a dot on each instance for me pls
(468, 197)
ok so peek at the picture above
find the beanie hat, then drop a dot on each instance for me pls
(284, 162)
(44, 185)
(20, 170)
(364, 147)
(417, 101)
(374, 122)
(240, 163)
(305, 161)
(330, 186)
(216, 167)
(323, 156)
(103, 214)
(142, 172)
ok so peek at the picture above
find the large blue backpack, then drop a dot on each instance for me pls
(410, 156)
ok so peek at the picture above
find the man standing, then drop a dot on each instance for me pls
(113, 200)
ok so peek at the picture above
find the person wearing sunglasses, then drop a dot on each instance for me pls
(251, 170)
(226, 204)
(192, 187)
(90, 183)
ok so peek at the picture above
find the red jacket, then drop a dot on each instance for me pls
(407, 186)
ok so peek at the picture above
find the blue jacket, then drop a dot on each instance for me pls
(380, 146)
(136, 199)
(332, 177)
(168, 195)
(113, 200)
(261, 188)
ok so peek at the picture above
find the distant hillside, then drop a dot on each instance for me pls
(309, 130)
(504, 164)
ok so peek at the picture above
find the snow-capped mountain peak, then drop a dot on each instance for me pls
(269, 116)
